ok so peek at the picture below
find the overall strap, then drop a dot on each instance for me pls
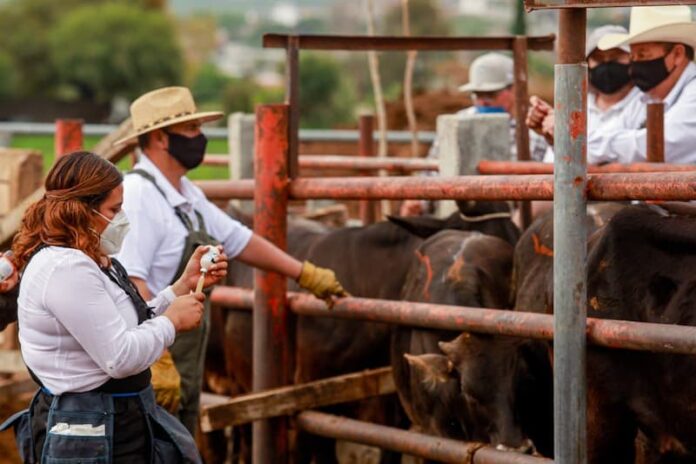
(118, 275)
(183, 217)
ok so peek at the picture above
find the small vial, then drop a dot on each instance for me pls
(210, 257)
(6, 266)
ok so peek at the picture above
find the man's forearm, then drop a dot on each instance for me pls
(262, 254)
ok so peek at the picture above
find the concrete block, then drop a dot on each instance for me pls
(464, 140)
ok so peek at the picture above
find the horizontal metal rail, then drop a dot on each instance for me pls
(668, 186)
(306, 135)
(554, 4)
(348, 162)
(387, 43)
(498, 168)
(630, 335)
(416, 444)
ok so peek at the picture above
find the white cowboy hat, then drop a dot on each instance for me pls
(164, 107)
(489, 73)
(655, 24)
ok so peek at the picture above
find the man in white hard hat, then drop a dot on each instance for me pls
(491, 82)
(610, 92)
(170, 216)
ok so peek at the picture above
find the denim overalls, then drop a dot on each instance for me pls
(79, 427)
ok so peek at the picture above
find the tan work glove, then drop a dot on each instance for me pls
(166, 382)
(321, 282)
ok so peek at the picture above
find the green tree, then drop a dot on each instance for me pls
(426, 19)
(242, 95)
(113, 49)
(519, 22)
(209, 84)
(8, 76)
(325, 98)
(24, 34)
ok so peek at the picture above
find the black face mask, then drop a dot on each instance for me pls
(648, 74)
(609, 77)
(189, 151)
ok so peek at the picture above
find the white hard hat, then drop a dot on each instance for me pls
(489, 73)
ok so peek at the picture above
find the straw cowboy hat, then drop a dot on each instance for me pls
(164, 107)
(489, 73)
(655, 24)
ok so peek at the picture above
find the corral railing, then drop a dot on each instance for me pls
(570, 188)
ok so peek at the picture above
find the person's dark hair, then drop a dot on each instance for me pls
(144, 140)
(76, 185)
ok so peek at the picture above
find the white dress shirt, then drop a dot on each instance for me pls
(606, 120)
(78, 329)
(626, 143)
(155, 242)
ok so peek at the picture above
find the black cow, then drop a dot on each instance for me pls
(641, 268)
(371, 262)
(449, 395)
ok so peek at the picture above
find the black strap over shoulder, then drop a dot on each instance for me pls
(118, 275)
(194, 238)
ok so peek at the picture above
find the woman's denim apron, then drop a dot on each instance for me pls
(79, 427)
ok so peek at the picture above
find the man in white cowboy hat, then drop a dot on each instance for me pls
(662, 41)
(610, 92)
(169, 216)
(490, 83)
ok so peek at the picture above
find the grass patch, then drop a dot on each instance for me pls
(45, 144)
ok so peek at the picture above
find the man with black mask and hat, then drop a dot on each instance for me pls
(662, 40)
(611, 89)
(169, 216)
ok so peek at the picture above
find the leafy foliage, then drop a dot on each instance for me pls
(115, 50)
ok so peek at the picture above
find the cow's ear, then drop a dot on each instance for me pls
(431, 369)
(420, 226)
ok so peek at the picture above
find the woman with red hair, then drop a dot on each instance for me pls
(87, 336)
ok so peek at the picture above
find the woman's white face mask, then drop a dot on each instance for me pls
(112, 237)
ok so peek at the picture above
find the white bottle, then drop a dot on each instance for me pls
(6, 266)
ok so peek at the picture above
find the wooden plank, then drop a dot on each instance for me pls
(292, 399)
(11, 362)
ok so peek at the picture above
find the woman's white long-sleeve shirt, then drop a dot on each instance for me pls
(78, 329)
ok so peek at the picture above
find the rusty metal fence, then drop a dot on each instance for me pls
(570, 188)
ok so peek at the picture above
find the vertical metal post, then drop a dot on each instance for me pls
(656, 132)
(570, 241)
(273, 346)
(292, 98)
(521, 104)
(68, 136)
(367, 148)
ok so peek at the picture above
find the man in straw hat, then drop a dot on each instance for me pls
(490, 84)
(169, 216)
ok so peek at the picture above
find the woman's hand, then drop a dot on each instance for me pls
(186, 312)
(10, 282)
(189, 279)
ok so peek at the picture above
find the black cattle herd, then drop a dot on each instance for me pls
(494, 389)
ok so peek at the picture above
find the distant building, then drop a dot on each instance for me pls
(496, 9)
(243, 61)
